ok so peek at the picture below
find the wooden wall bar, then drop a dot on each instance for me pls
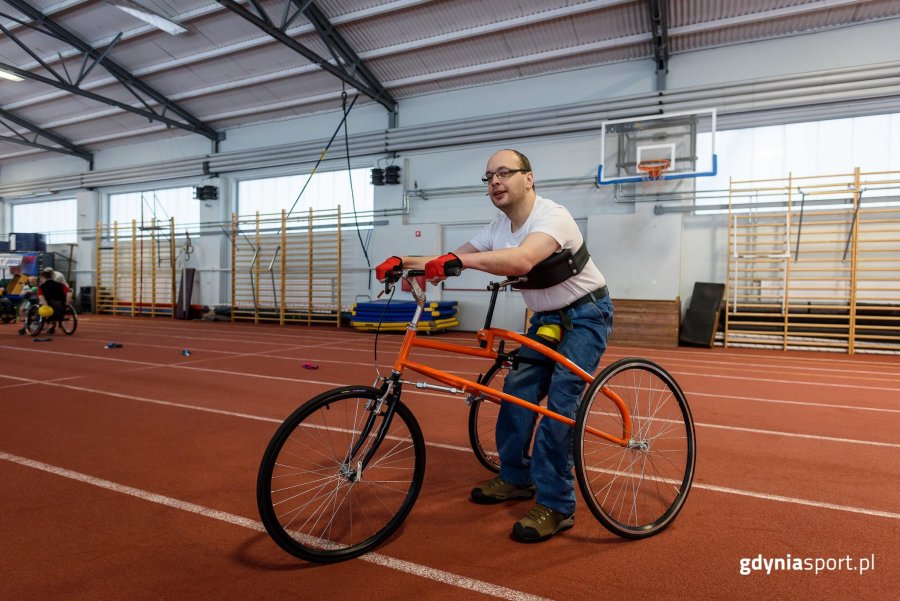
(287, 269)
(136, 268)
(823, 277)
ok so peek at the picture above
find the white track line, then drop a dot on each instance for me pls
(719, 357)
(819, 504)
(191, 364)
(391, 345)
(756, 380)
(796, 435)
(400, 565)
(408, 391)
(467, 450)
(785, 402)
(457, 448)
(275, 331)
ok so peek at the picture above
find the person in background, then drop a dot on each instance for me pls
(28, 296)
(48, 273)
(55, 294)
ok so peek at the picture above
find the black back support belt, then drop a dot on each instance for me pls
(555, 269)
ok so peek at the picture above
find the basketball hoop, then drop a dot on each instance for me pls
(652, 173)
(653, 170)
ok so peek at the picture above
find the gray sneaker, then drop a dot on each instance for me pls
(499, 490)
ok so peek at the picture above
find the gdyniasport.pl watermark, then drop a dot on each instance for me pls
(816, 565)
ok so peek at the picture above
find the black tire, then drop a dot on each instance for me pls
(636, 490)
(69, 322)
(483, 422)
(482, 429)
(34, 323)
(312, 502)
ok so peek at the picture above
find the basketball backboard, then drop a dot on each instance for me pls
(657, 147)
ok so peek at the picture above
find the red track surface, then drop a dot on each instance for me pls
(130, 474)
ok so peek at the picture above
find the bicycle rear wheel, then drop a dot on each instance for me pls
(34, 323)
(483, 419)
(483, 425)
(69, 321)
(635, 490)
(315, 499)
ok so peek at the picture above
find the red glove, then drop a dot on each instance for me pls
(443, 267)
(391, 264)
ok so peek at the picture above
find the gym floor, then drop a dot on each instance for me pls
(129, 473)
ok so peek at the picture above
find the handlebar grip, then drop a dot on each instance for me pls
(452, 271)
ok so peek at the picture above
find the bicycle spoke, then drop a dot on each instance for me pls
(321, 503)
(637, 489)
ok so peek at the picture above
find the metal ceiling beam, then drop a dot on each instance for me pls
(349, 68)
(659, 24)
(340, 49)
(136, 86)
(64, 146)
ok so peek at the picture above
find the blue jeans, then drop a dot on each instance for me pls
(550, 467)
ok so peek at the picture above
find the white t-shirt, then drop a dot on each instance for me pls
(59, 277)
(556, 221)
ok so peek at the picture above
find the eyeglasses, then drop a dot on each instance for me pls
(502, 174)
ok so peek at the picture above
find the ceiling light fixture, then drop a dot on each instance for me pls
(148, 16)
(10, 76)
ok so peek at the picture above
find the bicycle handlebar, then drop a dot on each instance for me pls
(394, 276)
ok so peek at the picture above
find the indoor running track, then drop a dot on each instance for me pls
(130, 474)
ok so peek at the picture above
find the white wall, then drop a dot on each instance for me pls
(643, 255)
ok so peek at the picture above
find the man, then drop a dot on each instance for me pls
(539, 239)
(48, 273)
(55, 294)
(28, 296)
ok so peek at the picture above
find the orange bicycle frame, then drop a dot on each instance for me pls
(486, 338)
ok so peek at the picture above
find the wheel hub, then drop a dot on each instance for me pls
(639, 445)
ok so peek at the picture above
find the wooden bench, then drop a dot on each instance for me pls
(642, 322)
(646, 322)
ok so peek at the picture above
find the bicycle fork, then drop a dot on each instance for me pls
(384, 407)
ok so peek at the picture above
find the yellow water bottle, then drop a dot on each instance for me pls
(551, 333)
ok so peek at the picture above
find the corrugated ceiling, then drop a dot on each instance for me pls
(225, 71)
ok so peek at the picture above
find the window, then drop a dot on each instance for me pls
(144, 206)
(54, 218)
(819, 148)
(324, 192)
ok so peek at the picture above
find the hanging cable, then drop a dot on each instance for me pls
(324, 152)
(363, 245)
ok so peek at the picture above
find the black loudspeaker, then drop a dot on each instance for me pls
(702, 317)
(392, 175)
(206, 193)
(86, 299)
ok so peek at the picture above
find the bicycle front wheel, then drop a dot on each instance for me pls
(316, 499)
(69, 322)
(635, 490)
(34, 323)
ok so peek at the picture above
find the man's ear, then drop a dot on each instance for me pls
(530, 178)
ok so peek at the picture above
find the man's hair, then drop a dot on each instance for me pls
(47, 272)
(524, 163)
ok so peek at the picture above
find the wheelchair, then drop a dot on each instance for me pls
(34, 323)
